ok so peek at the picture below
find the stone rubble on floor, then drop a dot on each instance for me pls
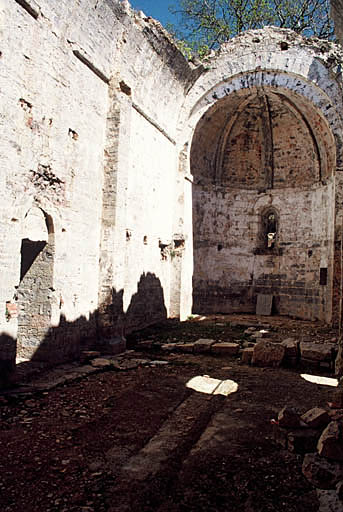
(257, 346)
(317, 435)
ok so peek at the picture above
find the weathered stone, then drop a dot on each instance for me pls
(228, 349)
(321, 472)
(288, 418)
(186, 348)
(101, 362)
(203, 345)
(246, 355)
(89, 354)
(169, 347)
(268, 354)
(316, 352)
(291, 348)
(316, 418)
(330, 444)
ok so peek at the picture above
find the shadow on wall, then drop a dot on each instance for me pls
(104, 329)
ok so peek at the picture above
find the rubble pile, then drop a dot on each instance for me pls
(260, 347)
(316, 435)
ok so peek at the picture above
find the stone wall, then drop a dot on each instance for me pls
(86, 142)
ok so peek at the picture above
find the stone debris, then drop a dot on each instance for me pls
(330, 444)
(321, 472)
(268, 354)
(87, 355)
(186, 348)
(320, 440)
(316, 418)
(203, 345)
(317, 352)
(246, 355)
(101, 362)
(288, 418)
(169, 347)
(291, 348)
(229, 349)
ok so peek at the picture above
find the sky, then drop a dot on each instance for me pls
(156, 8)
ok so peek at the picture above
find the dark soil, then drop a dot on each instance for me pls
(64, 450)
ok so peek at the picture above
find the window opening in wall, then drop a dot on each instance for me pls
(268, 233)
(323, 278)
(271, 230)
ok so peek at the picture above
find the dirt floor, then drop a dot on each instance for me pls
(139, 440)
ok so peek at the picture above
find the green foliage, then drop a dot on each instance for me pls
(205, 24)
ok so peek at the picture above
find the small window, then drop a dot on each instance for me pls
(323, 279)
(269, 228)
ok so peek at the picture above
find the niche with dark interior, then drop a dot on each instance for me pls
(268, 232)
(30, 250)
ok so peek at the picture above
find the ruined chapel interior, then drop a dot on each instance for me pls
(171, 240)
(137, 186)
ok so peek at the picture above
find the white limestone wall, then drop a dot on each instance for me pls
(58, 62)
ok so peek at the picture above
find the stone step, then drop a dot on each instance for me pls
(157, 463)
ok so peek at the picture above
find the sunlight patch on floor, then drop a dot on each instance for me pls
(323, 381)
(209, 386)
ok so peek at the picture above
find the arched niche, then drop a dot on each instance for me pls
(36, 282)
(260, 149)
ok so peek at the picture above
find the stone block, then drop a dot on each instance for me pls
(227, 349)
(291, 348)
(203, 346)
(320, 472)
(268, 354)
(330, 444)
(87, 355)
(316, 418)
(101, 362)
(288, 418)
(169, 347)
(316, 351)
(246, 355)
(186, 348)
